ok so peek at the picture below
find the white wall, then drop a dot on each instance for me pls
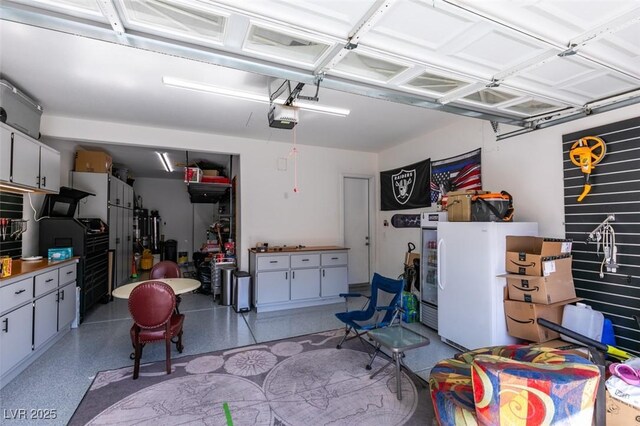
(271, 211)
(528, 166)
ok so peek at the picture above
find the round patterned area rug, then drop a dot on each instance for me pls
(299, 381)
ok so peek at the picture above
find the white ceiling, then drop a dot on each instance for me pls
(528, 62)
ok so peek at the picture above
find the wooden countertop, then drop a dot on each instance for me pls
(296, 249)
(21, 267)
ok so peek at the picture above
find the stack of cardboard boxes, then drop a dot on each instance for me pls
(539, 285)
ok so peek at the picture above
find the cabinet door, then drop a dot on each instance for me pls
(128, 196)
(66, 305)
(116, 192)
(121, 243)
(334, 281)
(305, 283)
(15, 337)
(45, 319)
(273, 287)
(26, 160)
(5, 154)
(49, 169)
(95, 183)
(113, 227)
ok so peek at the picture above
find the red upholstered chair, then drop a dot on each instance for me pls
(165, 269)
(152, 306)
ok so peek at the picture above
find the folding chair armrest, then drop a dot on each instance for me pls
(352, 295)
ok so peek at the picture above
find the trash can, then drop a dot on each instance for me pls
(241, 291)
(226, 293)
(171, 250)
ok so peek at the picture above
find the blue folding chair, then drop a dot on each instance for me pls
(380, 310)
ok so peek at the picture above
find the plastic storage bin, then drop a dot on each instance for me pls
(584, 320)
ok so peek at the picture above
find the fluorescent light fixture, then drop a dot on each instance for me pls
(164, 159)
(14, 188)
(248, 96)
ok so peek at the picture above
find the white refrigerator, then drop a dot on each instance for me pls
(470, 293)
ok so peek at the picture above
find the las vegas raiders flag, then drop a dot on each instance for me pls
(407, 187)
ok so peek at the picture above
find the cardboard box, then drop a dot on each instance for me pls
(555, 287)
(620, 413)
(528, 255)
(192, 174)
(93, 161)
(410, 257)
(206, 172)
(459, 205)
(62, 253)
(522, 319)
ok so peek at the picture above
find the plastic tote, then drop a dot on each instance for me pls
(584, 320)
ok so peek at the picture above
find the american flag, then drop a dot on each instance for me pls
(457, 173)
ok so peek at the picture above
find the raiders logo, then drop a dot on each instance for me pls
(403, 183)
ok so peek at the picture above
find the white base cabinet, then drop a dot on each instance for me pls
(36, 310)
(298, 279)
(334, 281)
(15, 343)
(305, 283)
(274, 286)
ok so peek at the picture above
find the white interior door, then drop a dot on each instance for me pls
(356, 228)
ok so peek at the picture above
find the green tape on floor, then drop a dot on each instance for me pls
(227, 414)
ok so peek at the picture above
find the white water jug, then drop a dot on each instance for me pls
(583, 320)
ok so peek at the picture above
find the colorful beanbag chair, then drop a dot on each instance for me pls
(514, 385)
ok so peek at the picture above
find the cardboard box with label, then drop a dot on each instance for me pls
(521, 318)
(531, 255)
(93, 161)
(619, 413)
(554, 287)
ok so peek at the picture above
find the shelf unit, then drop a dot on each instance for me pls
(208, 192)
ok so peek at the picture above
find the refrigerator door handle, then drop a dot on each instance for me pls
(439, 264)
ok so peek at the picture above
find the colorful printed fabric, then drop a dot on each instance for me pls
(514, 385)
(527, 393)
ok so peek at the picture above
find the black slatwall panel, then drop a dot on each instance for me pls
(10, 208)
(615, 190)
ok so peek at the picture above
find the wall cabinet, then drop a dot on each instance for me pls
(113, 203)
(28, 163)
(36, 309)
(301, 278)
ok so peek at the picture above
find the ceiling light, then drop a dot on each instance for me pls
(248, 96)
(164, 159)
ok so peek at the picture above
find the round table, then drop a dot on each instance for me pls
(179, 286)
